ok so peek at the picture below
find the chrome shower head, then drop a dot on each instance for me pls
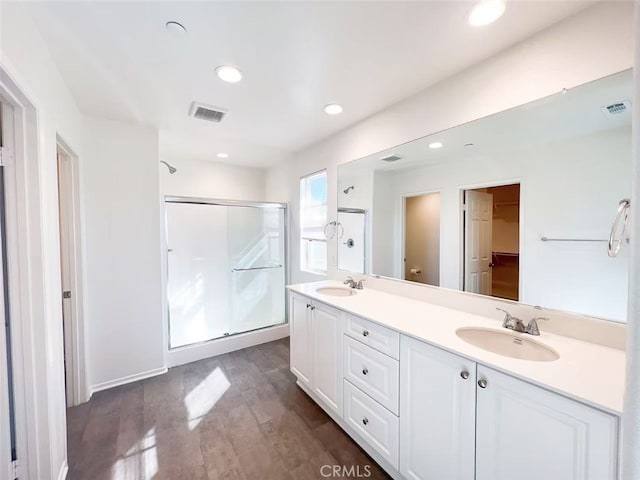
(346, 190)
(172, 170)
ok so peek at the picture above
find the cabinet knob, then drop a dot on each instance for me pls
(464, 374)
(312, 307)
(365, 371)
(365, 333)
(308, 305)
(482, 383)
(365, 420)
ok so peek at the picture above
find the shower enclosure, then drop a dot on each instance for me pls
(226, 268)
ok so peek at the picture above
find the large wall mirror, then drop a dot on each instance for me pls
(518, 205)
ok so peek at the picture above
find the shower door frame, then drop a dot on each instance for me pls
(234, 341)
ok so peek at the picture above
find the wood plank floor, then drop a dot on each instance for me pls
(236, 416)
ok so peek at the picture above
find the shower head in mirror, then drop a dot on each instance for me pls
(346, 190)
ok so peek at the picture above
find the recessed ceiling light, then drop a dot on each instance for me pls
(333, 109)
(222, 155)
(229, 74)
(175, 27)
(435, 145)
(486, 12)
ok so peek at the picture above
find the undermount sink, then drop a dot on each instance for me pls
(336, 291)
(507, 344)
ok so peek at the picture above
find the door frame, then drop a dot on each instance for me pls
(76, 358)
(521, 230)
(400, 269)
(34, 338)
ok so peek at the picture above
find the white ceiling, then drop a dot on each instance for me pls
(121, 63)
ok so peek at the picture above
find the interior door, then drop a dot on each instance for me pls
(478, 227)
(64, 205)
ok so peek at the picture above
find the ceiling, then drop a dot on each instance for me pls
(121, 63)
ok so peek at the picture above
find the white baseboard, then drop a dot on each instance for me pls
(128, 379)
(63, 471)
(193, 353)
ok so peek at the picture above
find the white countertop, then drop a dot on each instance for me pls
(591, 373)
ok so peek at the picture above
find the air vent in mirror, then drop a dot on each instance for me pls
(207, 112)
(617, 108)
(391, 158)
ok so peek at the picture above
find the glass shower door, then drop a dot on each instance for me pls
(257, 256)
(226, 268)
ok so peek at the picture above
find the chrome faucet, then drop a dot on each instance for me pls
(515, 324)
(532, 327)
(511, 322)
(359, 285)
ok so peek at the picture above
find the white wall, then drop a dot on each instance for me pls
(570, 53)
(26, 60)
(199, 178)
(123, 274)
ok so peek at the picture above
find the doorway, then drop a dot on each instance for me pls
(422, 239)
(492, 241)
(70, 275)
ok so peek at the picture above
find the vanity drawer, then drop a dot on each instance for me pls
(376, 336)
(372, 372)
(374, 423)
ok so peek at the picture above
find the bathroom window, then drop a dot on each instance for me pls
(313, 218)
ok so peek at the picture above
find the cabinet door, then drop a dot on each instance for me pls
(437, 413)
(301, 332)
(529, 433)
(327, 338)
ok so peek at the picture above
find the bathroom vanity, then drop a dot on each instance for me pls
(430, 398)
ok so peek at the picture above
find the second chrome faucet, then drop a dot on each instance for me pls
(359, 285)
(515, 324)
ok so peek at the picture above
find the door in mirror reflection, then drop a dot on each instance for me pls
(491, 241)
(422, 239)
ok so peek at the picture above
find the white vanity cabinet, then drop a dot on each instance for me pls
(316, 348)
(425, 413)
(438, 413)
(529, 433)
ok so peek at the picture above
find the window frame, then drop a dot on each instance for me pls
(305, 239)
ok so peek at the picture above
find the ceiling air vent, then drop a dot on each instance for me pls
(391, 158)
(617, 108)
(207, 112)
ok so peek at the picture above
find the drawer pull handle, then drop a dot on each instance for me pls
(482, 383)
(365, 371)
(365, 420)
(365, 333)
(464, 374)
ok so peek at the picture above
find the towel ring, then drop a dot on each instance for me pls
(619, 228)
(329, 236)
